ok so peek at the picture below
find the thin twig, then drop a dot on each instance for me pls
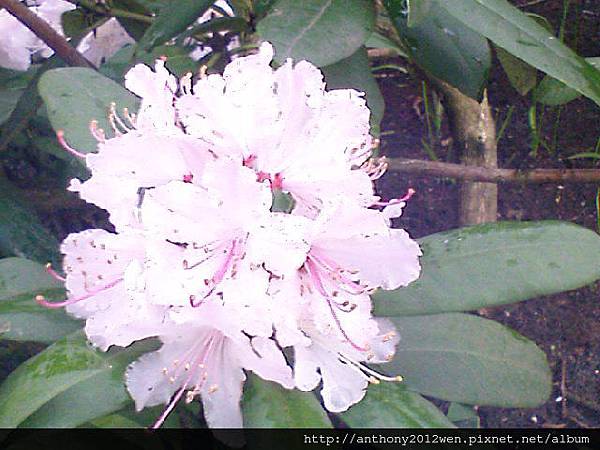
(46, 33)
(493, 175)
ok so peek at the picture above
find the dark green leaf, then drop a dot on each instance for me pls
(70, 377)
(137, 27)
(8, 101)
(463, 416)
(173, 18)
(21, 318)
(27, 105)
(509, 28)
(444, 47)
(390, 405)
(320, 31)
(21, 233)
(495, 264)
(418, 10)
(550, 91)
(377, 40)
(115, 421)
(467, 359)
(268, 405)
(522, 76)
(355, 73)
(75, 96)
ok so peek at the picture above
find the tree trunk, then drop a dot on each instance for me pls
(474, 133)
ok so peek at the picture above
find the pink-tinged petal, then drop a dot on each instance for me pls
(383, 346)
(95, 259)
(306, 368)
(157, 89)
(262, 356)
(147, 381)
(280, 242)
(343, 386)
(222, 389)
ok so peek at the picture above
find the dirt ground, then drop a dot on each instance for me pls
(566, 326)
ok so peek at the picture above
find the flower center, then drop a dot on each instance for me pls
(191, 370)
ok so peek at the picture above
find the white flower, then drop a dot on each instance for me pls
(285, 126)
(105, 285)
(202, 262)
(324, 312)
(18, 43)
(205, 356)
(125, 167)
(104, 41)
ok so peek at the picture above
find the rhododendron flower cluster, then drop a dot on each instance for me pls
(203, 260)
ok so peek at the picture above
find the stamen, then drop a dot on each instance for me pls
(60, 136)
(197, 362)
(313, 272)
(395, 201)
(370, 373)
(54, 274)
(337, 273)
(185, 83)
(40, 299)
(98, 133)
(219, 274)
(129, 117)
(375, 167)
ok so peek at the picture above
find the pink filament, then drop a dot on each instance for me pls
(336, 272)
(218, 275)
(201, 359)
(313, 272)
(54, 274)
(395, 201)
(53, 305)
(60, 136)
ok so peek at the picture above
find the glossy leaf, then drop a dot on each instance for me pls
(521, 75)
(75, 96)
(468, 359)
(268, 405)
(71, 377)
(355, 73)
(444, 47)
(552, 92)
(418, 10)
(173, 18)
(21, 318)
(391, 405)
(509, 28)
(320, 31)
(21, 232)
(495, 264)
